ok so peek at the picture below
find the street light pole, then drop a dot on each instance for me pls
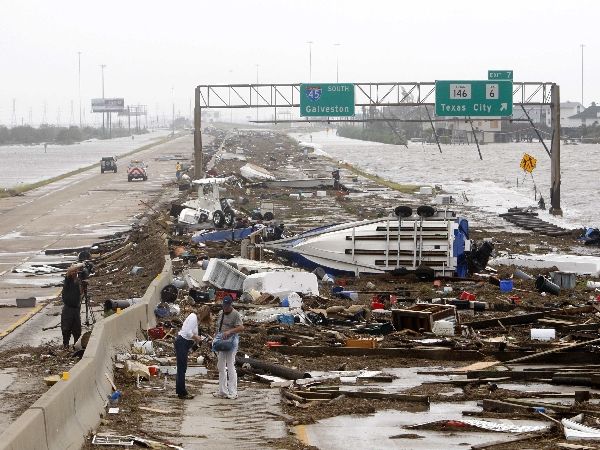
(337, 63)
(102, 66)
(79, 87)
(257, 95)
(582, 45)
(173, 112)
(310, 43)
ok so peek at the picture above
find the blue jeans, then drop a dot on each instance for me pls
(182, 348)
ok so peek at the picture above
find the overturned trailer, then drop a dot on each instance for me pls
(431, 242)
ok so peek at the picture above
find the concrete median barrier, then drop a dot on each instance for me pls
(62, 417)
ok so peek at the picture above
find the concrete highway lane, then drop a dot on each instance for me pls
(73, 212)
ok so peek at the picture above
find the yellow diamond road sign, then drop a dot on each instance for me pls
(528, 163)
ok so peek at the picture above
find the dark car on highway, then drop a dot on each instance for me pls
(108, 163)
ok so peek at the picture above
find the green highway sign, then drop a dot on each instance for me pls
(326, 99)
(500, 75)
(473, 98)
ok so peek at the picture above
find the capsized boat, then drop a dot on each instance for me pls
(438, 240)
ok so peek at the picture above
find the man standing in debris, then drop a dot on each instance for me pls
(229, 323)
(70, 318)
(183, 344)
(178, 170)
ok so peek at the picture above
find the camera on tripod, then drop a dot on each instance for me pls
(86, 270)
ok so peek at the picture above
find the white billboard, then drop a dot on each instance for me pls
(108, 104)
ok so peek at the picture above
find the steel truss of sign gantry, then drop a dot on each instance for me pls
(379, 94)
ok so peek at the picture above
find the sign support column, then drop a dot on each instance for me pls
(198, 163)
(555, 153)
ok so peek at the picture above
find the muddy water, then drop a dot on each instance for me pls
(377, 431)
(28, 164)
(489, 184)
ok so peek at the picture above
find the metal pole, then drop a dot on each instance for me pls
(555, 153)
(129, 119)
(102, 66)
(582, 74)
(173, 112)
(475, 137)
(337, 63)
(79, 87)
(257, 92)
(309, 60)
(198, 163)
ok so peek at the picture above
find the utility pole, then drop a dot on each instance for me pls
(310, 43)
(198, 160)
(337, 63)
(582, 45)
(257, 95)
(555, 153)
(102, 66)
(13, 120)
(173, 104)
(79, 86)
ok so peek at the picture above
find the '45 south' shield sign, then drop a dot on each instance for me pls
(326, 99)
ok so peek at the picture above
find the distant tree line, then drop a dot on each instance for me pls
(377, 132)
(57, 135)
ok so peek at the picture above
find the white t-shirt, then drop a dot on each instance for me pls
(189, 327)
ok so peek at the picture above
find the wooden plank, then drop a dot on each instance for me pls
(508, 320)
(490, 445)
(554, 350)
(479, 365)
(383, 396)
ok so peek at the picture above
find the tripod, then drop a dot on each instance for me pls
(89, 312)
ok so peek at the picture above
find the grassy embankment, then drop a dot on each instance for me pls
(22, 188)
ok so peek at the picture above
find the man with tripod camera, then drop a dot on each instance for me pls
(70, 318)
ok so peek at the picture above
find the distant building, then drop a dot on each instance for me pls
(587, 117)
(539, 115)
(567, 110)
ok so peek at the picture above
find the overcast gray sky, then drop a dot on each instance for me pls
(152, 46)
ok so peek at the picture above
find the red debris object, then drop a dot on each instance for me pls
(156, 333)
(464, 295)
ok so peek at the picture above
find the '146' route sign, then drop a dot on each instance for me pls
(473, 98)
(326, 99)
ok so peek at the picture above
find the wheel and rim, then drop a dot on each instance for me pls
(229, 218)
(268, 216)
(218, 218)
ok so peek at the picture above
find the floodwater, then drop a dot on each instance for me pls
(29, 163)
(489, 184)
(383, 429)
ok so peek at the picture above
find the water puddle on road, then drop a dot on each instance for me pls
(388, 430)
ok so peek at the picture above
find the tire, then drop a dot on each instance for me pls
(425, 211)
(403, 211)
(218, 218)
(101, 170)
(145, 178)
(115, 170)
(268, 216)
(257, 216)
(229, 218)
(129, 179)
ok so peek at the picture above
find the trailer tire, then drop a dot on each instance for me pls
(403, 211)
(218, 218)
(268, 216)
(425, 211)
(229, 218)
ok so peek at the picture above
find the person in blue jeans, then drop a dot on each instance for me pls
(183, 344)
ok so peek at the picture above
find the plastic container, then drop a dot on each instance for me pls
(544, 285)
(543, 334)
(352, 295)
(286, 319)
(114, 398)
(522, 275)
(506, 285)
(377, 305)
(593, 284)
(565, 280)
